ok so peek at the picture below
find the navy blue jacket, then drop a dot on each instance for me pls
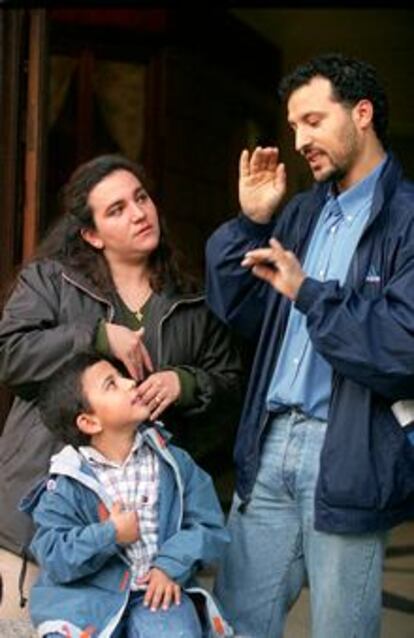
(364, 329)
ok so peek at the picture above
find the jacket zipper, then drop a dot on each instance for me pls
(91, 294)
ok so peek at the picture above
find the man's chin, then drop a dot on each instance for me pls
(326, 175)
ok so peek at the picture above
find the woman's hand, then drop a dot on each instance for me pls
(161, 591)
(160, 390)
(127, 346)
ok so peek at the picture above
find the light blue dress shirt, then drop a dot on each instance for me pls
(302, 378)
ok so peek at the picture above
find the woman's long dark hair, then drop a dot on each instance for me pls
(65, 242)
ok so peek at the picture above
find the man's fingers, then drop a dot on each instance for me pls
(256, 161)
(272, 159)
(264, 272)
(276, 245)
(244, 164)
(261, 255)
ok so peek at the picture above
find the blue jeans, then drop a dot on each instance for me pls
(139, 622)
(274, 548)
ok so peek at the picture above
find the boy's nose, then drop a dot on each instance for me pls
(129, 383)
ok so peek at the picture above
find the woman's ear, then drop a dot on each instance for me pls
(88, 423)
(91, 237)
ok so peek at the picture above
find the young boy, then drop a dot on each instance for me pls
(124, 520)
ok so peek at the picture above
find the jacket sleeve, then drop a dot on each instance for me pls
(64, 545)
(33, 344)
(233, 293)
(202, 537)
(369, 340)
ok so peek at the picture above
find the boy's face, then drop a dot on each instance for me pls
(112, 397)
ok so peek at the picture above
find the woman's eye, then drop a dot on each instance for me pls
(141, 197)
(116, 210)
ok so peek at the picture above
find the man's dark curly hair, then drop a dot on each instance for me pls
(61, 399)
(352, 80)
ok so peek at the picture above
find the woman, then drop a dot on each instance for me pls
(104, 278)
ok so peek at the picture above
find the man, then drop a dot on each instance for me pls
(324, 464)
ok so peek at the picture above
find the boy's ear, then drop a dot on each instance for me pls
(88, 423)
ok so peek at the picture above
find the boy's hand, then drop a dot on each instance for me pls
(162, 591)
(126, 524)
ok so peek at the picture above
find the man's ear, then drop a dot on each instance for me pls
(91, 237)
(364, 113)
(88, 423)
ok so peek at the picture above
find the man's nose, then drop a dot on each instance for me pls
(302, 139)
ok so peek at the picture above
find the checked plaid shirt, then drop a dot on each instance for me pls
(135, 484)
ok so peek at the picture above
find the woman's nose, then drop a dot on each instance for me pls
(137, 214)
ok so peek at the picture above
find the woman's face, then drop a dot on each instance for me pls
(126, 219)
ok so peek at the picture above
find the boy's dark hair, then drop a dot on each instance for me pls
(352, 80)
(61, 399)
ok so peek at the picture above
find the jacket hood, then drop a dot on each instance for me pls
(69, 462)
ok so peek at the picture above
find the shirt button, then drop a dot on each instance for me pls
(321, 273)
(296, 361)
(350, 218)
(333, 229)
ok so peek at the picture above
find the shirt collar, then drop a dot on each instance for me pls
(356, 198)
(95, 457)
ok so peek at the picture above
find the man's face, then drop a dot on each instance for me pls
(325, 131)
(112, 397)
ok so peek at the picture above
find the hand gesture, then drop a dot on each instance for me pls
(161, 591)
(160, 390)
(127, 346)
(262, 183)
(278, 266)
(126, 524)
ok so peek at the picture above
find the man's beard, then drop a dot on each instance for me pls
(336, 174)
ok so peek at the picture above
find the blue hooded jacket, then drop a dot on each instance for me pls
(364, 329)
(84, 583)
